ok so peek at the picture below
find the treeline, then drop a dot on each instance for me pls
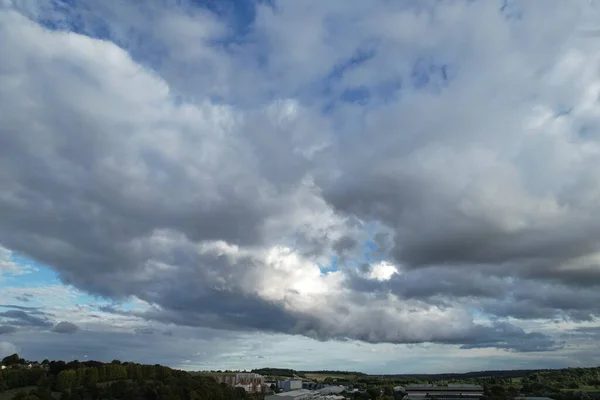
(517, 373)
(278, 372)
(336, 373)
(565, 379)
(292, 372)
(95, 380)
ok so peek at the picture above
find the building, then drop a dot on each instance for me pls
(250, 382)
(289, 384)
(450, 392)
(300, 394)
(533, 398)
(331, 397)
(331, 390)
(313, 385)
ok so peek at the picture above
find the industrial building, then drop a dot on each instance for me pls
(303, 394)
(289, 384)
(300, 394)
(331, 397)
(313, 385)
(331, 389)
(449, 392)
(533, 398)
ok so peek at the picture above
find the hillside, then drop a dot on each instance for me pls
(52, 380)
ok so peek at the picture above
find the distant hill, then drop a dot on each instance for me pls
(291, 372)
(516, 373)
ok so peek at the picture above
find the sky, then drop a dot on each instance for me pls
(380, 186)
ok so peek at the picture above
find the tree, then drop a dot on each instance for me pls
(91, 377)
(374, 393)
(11, 360)
(25, 396)
(496, 391)
(241, 392)
(65, 380)
(43, 381)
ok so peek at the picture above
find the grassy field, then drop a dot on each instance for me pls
(582, 389)
(321, 377)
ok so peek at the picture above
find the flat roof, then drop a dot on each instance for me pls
(534, 398)
(294, 393)
(449, 388)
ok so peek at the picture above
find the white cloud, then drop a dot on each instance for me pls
(10, 267)
(382, 271)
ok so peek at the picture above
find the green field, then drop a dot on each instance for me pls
(589, 389)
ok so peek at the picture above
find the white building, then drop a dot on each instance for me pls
(300, 394)
(251, 382)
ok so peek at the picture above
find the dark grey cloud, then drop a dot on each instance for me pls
(590, 333)
(65, 327)
(499, 335)
(144, 331)
(22, 318)
(432, 282)
(344, 244)
(510, 337)
(4, 329)
(430, 231)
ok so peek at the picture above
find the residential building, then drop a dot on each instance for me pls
(250, 382)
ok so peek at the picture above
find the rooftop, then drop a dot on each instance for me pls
(534, 398)
(452, 388)
(295, 393)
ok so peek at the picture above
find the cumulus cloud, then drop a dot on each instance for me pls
(443, 154)
(65, 327)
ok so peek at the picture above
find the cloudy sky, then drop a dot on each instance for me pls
(383, 186)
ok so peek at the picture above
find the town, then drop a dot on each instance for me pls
(22, 379)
